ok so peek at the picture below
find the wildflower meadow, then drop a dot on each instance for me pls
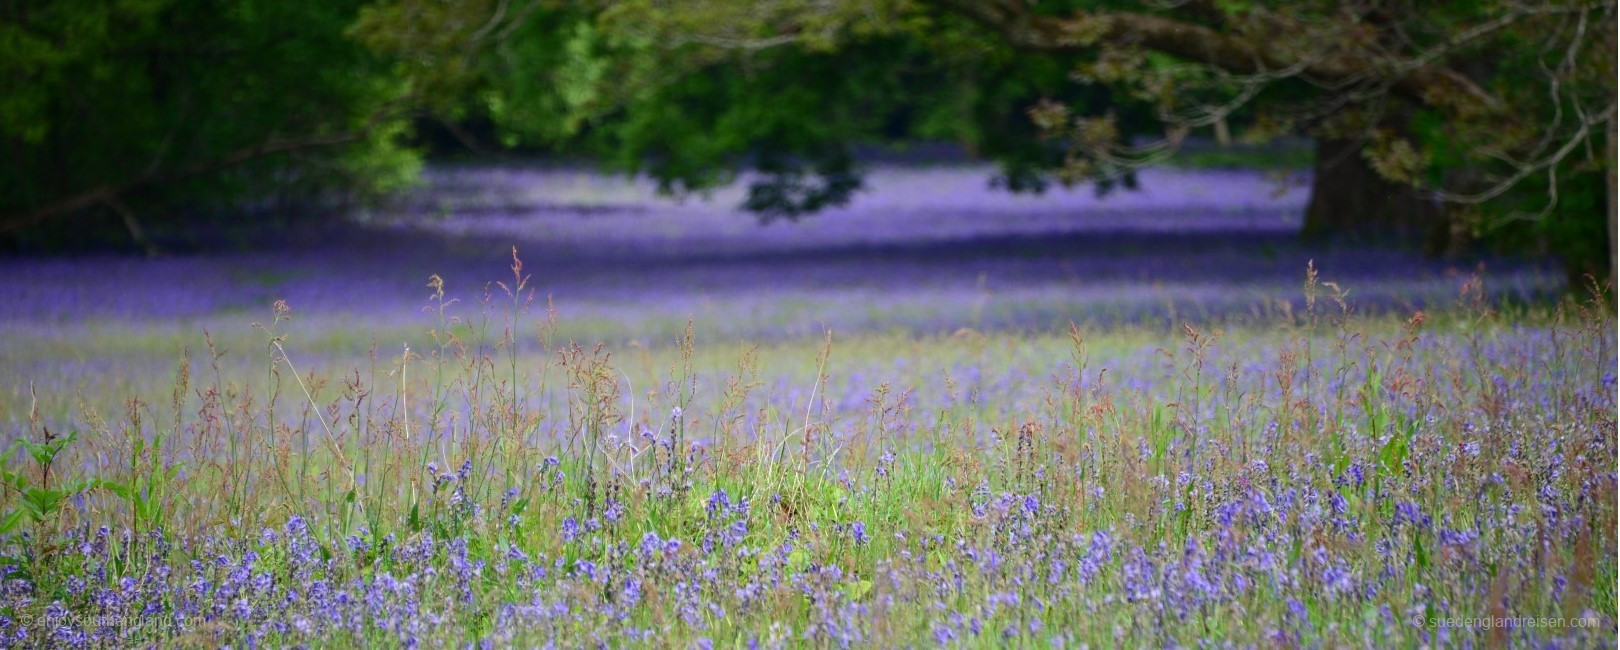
(540, 408)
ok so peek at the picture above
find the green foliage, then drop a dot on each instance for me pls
(37, 504)
(1552, 74)
(177, 110)
(157, 117)
(694, 97)
(1572, 228)
(1288, 157)
(147, 485)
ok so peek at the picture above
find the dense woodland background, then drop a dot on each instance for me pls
(163, 126)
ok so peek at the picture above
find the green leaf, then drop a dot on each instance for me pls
(12, 521)
(43, 453)
(146, 510)
(1390, 456)
(119, 489)
(43, 500)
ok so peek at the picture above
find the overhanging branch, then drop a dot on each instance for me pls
(1426, 83)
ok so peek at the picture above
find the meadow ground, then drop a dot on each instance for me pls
(941, 416)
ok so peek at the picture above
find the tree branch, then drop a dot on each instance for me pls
(1426, 83)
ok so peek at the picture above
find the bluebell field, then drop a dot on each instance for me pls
(941, 416)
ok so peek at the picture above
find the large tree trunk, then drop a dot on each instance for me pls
(1351, 202)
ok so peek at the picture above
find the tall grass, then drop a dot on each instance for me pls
(1322, 478)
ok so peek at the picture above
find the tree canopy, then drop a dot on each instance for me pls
(189, 109)
(1496, 115)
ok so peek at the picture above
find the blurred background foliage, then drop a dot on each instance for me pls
(168, 124)
(118, 118)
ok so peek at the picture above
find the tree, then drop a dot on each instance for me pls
(1413, 104)
(1433, 119)
(157, 114)
(694, 96)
